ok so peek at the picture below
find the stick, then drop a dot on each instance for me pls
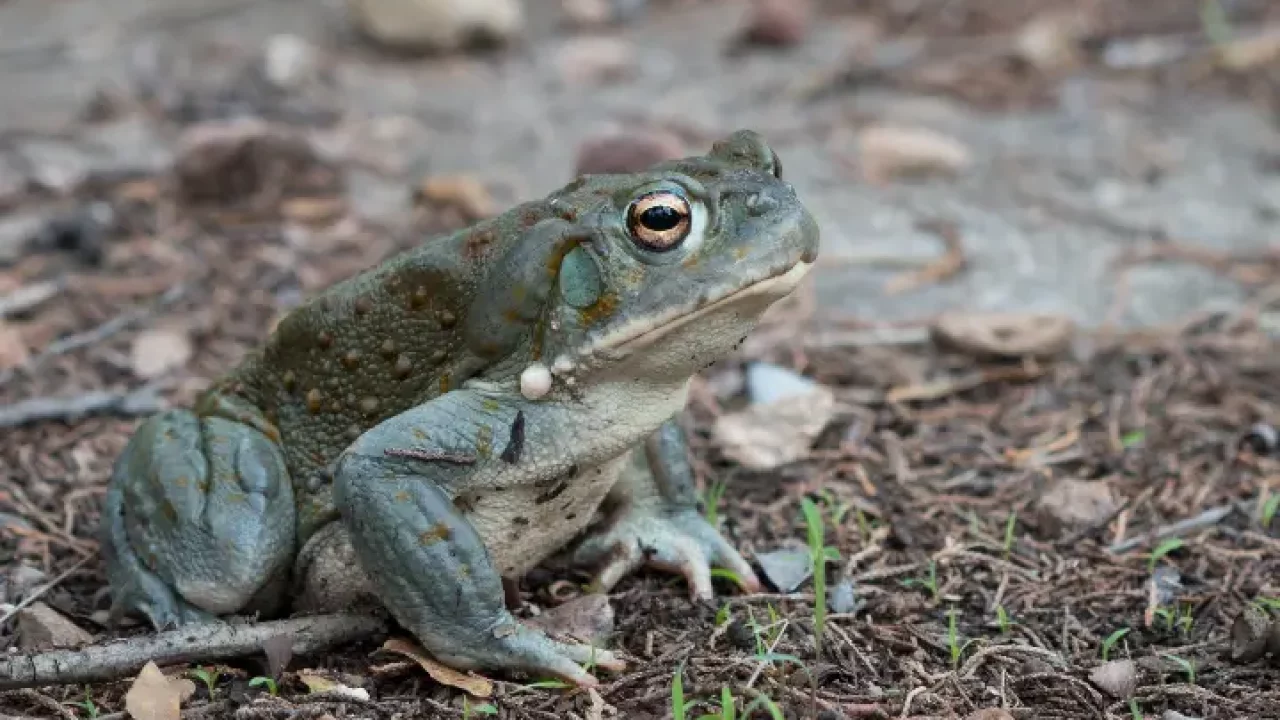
(142, 401)
(28, 297)
(1209, 517)
(44, 589)
(194, 643)
(97, 334)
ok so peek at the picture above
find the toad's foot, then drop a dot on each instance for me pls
(682, 542)
(654, 521)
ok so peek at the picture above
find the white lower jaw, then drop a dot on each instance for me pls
(766, 291)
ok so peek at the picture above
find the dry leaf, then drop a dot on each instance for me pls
(40, 626)
(472, 684)
(321, 684)
(13, 347)
(587, 619)
(464, 192)
(765, 436)
(1117, 678)
(279, 651)
(890, 152)
(155, 696)
(157, 351)
(1010, 335)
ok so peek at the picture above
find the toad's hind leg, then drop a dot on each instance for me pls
(198, 520)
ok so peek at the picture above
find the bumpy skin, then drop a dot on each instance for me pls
(461, 413)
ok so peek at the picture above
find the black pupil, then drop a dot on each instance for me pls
(660, 217)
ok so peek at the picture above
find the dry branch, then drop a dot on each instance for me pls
(197, 643)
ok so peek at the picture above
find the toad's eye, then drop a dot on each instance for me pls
(659, 221)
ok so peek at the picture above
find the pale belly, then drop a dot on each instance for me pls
(524, 525)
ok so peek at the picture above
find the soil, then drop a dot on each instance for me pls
(1002, 524)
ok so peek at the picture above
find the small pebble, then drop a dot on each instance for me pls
(626, 152)
(778, 23)
(1262, 439)
(767, 383)
(437, 25)
(1117, 678)
(41, 627)
(595, 60)
(289, 61)
(786, 569)
(843, 598)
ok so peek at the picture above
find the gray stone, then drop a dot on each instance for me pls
(17, 233)
(786, 569)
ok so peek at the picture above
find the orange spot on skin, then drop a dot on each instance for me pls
(600, 309)
(402, 496)
(435, 534)
(444, 384)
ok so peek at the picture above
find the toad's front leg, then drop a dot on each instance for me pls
(654, 520)
(395, 488)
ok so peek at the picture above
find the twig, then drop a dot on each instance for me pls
(44, 589)
(1208, 518)
(97, 334)
(978, 658)
(28, 297)
(193, 643)
(948, 265)
(140, 401)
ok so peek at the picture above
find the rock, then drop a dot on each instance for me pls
(1051, 41)
(57, 167)
(82, 230)
(891, 152)
(786, 569)
(778, 23)
(598, 13)
(1175, 715)
(588, 13)
(586, 619)
(17, 232)
(433, 26)
(463, 192)
(40, 627)
(13, 347)
(159, 351)
(627, 152)
(1117, 678)
(1251, 633)
(228, 163)
(22, 580)
(767, 383)
(290, 62)
(1072, 503)
(1262, 438)
(767, 435)
(13, 182)
(843, 598)
(1006, 335)
(989, 714)
(375, 199)
(595, 60)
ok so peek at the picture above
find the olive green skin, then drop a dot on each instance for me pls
(462, 412)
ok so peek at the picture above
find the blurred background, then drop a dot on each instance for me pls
(1112, 161)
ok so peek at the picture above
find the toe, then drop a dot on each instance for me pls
(625, 558)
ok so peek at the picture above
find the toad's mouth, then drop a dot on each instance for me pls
(761, 293)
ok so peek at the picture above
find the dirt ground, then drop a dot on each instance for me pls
(1001, 524)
